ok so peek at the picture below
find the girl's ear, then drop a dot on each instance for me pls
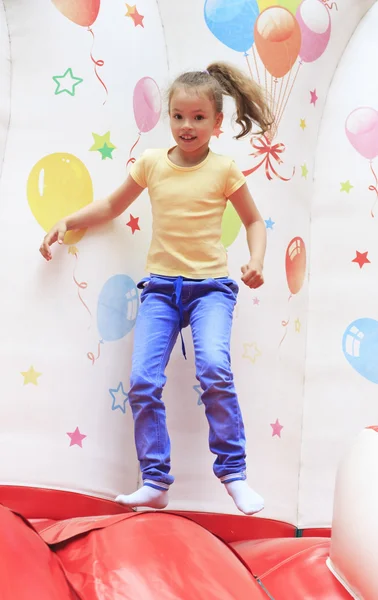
(219, 120)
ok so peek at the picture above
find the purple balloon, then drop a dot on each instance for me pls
(315, 24)
(361, 128)
(147, 104)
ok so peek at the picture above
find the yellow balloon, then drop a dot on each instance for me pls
(291, 5)
(58, 185)
(231, 225)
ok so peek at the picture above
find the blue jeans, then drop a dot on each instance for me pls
(169, 304)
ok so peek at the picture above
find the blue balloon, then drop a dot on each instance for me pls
(232, 22)
(117, 308)
(360, 347)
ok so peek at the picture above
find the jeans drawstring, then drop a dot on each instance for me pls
(176, 298)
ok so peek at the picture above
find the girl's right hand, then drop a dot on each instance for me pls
(56, 234)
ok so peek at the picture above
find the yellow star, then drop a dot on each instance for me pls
(304, 170)
(30, 376)
(131, 10)
(298, 325)
(346, 186)
(100, 140)
(302, 124)
(73, 250)
(251, 352)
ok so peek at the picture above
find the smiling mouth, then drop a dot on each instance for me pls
(188, 138)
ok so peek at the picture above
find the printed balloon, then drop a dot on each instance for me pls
(360, 347)
(295, 264)
(278, 40)
(81, 12)
(117, 308)
(315, 24)
(361, 128)
(232, 22)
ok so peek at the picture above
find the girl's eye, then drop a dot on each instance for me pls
(199, 117)
(177, 116)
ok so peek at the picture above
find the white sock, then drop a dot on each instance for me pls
(246, 500)
(146, 496)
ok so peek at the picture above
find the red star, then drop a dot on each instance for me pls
(217, 132)
(76, 437)
(314, 97)
(132, 12)
(361, 258)
(133, 224)
(277, 428)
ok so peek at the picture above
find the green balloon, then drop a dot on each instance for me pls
(231, 225)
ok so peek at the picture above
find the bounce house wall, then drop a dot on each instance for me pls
(5, 83)
(87, 93)
(342, 339)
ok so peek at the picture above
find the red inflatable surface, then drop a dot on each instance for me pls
(155, 556)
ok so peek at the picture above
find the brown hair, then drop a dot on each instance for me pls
(221, 79)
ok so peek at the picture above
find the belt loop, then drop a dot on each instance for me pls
(177, 287)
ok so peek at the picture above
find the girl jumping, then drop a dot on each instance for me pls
(189, 186)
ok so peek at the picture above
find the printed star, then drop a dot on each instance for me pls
(217, 132)
(302, 124)
(314, 97)
(304, 170)
(269, 223)
(30, 376)
(76, 437)
(256, 301)
(106, 152)
(133, 224)
(251, 352)
(119, 397)
(100, 141)
(73, 250)
(66, 83)
(346, 186)
(197, 388)
(361, 259)
(132, 12)
(298, 325)
(276, 428)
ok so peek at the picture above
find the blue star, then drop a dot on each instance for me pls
(119, 398)
(269, 223)
(197, 388)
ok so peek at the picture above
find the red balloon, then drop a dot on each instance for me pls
(295, 264)
(81, 12)
(277, 39)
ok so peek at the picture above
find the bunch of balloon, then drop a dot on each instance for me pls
(360, 347)
(147, 106)
(295, 265)
(58, 185)
(117, 310)
(83, 13)
(361, 128)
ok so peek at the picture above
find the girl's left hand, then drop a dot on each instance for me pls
(253, 274)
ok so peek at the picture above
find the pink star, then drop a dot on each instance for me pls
(314, 97)
(76, 438)
(256, 301)
(277, 428)
(217, 132)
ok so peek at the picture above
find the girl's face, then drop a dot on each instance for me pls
(193, 119)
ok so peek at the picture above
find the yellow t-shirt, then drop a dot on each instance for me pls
(187, 209)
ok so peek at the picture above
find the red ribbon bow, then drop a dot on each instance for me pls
(268, 152)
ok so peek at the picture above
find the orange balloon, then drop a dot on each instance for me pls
(278, 40)
(81, 12)
(295, 264)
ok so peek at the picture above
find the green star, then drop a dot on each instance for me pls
(304, 170)
(66, 83)
(106, 152)
(346, 186)
(100, 141)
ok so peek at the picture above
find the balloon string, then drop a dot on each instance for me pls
(374, 188)
(92, 357)
(291, 89)
(285, 323)
(132, 159)
(249, 65)
(97, 63)
(81, 285)
(330, 7)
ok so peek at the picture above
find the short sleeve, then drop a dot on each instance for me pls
(138, 171)
(235, 179)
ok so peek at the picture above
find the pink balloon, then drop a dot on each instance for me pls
(315, 24)
(361, 128)
(147, 104)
